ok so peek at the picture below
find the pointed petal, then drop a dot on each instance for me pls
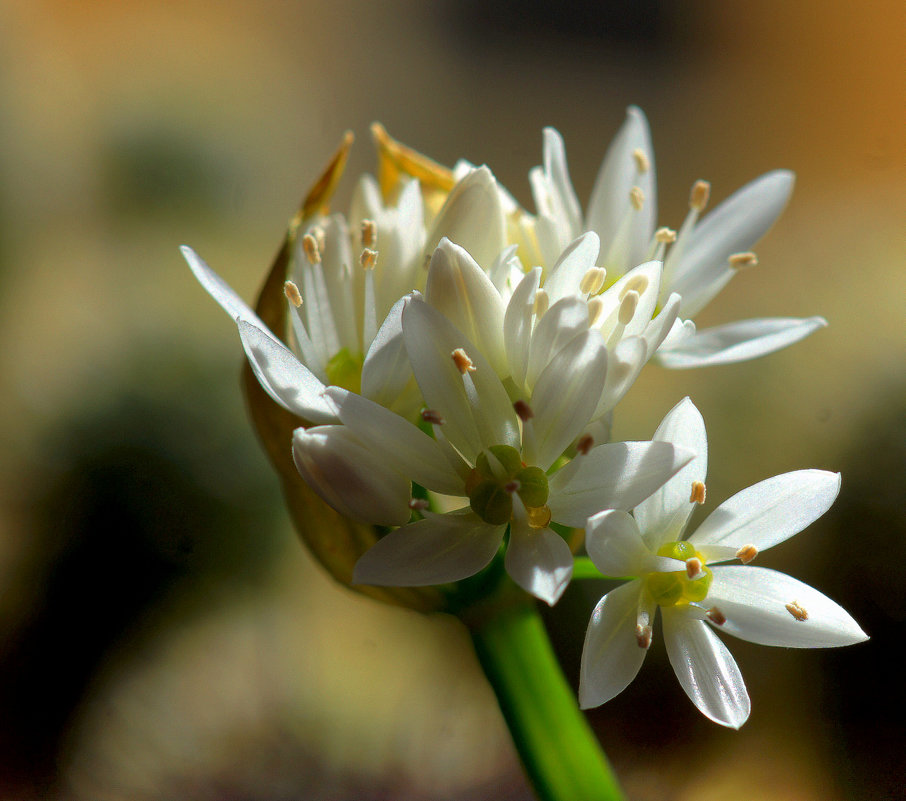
(561, 323)
(739, 341)
(618, 475)
(771, 511)
(657, 331)
(577, 259)
(386, 370)
(283, 376)
(611, 656)
(754, 602)
(473, 218)
(566, 394)
(436, 550)
(616, 177)
(218, 289)
(624, 364)
(733, 227)
(563, 196)
(539, 561)
(615, 545)
(430, 340)
(705, 669)
(517, 326)
(662, 517)
(459, 289)
(351, 478)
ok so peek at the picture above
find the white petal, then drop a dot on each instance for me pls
(561, 323)
(566, 394)
(705, 669)
(615, 545)
(430, 341)
(386, 370)
(218, 289)
(577, 259)
(472, 217)
(618, 475)
(338, 279)
(733, 227)
(657, 331)
(539, 561)
(458, 288)
(404, 447)
(611, 656)
(350, 477)
(563, 195)
(771, 511)
(663, 516)
(436, 550)
(517, 325)
(616, 177)
(283, 376)
(624, 364)
(754, 602)
(739, 341)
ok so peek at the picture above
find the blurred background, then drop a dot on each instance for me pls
(162, 632)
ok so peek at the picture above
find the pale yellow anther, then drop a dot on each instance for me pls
(637, 198)
(523, 410)
(432, 416)
(694, 568)
(698, 197)
(462, 361)
(638, 283)
(742, 261)
(542, 302)
(797, 611)
(293, 295)
(595, 309)
(368, 258)
(698, 492)
(539, 516)
(585, 444)
(665, 235)
(592, 281)
(716, 616)
(642, 162)
(643, 636)
(369, 234)
(628, 307)
(747, 553)
(312, 251)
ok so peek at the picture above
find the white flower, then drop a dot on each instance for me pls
(694, 594)
(491, 457)
(703, 258)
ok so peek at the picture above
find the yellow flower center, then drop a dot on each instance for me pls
(677, 588)
(498, 474)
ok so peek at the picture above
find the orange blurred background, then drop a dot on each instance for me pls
(162, 633)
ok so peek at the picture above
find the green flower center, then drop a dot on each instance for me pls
(344, 369)
(493, 480)
(677, 589)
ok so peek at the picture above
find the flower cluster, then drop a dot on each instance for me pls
(456, 360)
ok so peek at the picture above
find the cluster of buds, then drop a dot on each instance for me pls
(445, 365)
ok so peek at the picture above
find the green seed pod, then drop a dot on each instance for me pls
(507, 456)
(491, 502)
(666, 588)
(677, 550)
(533, 486)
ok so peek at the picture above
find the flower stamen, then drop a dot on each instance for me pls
(462, 361)
(312, 251)
(797, 611)
(293, 295)
(642, 162)
(716, 616)
(743, 261)
(747, 553)
(698, 492)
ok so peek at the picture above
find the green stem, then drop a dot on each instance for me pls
(559, 751)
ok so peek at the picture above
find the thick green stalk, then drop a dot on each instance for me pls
(559, 751)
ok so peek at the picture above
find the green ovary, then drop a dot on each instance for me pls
(344, 369)
(487, 485)
(677, 589)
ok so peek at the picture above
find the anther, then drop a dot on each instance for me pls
(418, 504)
(665, 235)
(716, 616)
(643, 636)
(628, 307)
(797, 611)
(637, 198)
(320, 237)
(698, 198)
(432, 416)
(542, 301)
(592, 281)
(742, 261)
(512, 486)
(642, 163)
(369, 234)
(312, 251)
(585, 444)
(638, 283)
(694, 568)
(293, 295)
(747, 553)
(462, 361)
(523, 410)
(595, 310)
(698, 492)
(368, 258)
